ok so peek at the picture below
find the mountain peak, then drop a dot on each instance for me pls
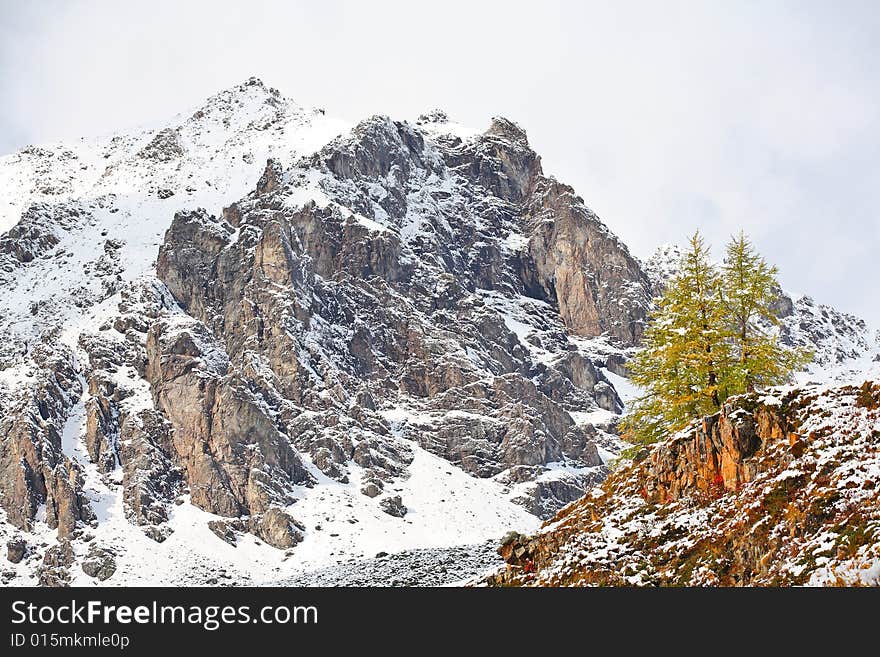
(435, 115)
(248, 96)
(253, 81)
(252, 85)
(503, 127)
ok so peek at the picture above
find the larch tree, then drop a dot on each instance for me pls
(684, 352)
(710, 336)
(749, 287)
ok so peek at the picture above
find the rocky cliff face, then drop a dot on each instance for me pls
(35, 474)
(186, 326)
(362, 295)
(777, 489)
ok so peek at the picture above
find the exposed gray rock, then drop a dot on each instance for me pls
(355, 303)
(16, 549)
(55, 569)
(99, 563)
(271, 177)
(33, 468)
(40, 229)
(575, 261)
(225, 530)
(141, 440)
(150, 479)
(237, 460)
(832, 336)
(276, 527)
(393, 506)
(371, 484)
(158, 533)
(102, 424)
(606, 397)
(616, 363)
(782, 306)
(164, 147)
(545, 497)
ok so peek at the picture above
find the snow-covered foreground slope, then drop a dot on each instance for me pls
(446, 508)
(781, 488)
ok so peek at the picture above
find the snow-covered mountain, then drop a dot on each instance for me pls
(383, 339)
(253, 340)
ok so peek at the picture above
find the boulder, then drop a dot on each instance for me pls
(16, 550)
(393, 506)
(99, 563)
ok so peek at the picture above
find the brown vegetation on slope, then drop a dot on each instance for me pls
(773, 490)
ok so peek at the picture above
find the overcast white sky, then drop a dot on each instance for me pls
(665, 116)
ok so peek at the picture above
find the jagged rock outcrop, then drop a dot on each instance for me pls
(271, 177)
(164, 147)
(832, 336)
(16, 550)
(99, 563)
(274, 526)
(122, 430)
(777, 489)
(40, 229)
(55, 569)
(34, 471)
(574, 260)
(102, 424)
(717, 454)
(383, 284)
(393, 506)
(237, 461)
(150, 479)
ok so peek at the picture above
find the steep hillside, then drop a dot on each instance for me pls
(780, 488)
